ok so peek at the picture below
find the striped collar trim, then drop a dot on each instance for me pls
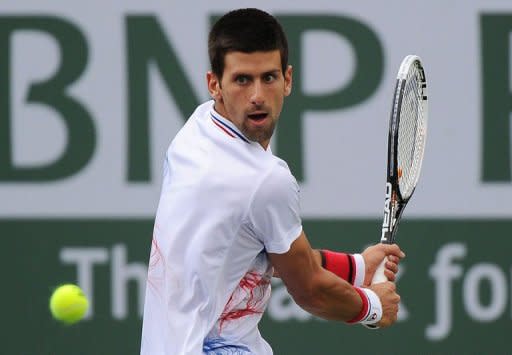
(226, 127)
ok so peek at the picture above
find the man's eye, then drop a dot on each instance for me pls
(241, 79)
(270, 78)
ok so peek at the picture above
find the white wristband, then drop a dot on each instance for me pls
(360, 270)
(374, 314)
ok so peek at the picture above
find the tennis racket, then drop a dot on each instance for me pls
(406, 145)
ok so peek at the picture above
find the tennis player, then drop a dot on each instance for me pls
(228, 217)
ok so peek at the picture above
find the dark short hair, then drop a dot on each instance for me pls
(247, 31)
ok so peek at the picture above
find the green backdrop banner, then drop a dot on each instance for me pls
(455, 285)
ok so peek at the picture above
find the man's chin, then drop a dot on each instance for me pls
(258, 137)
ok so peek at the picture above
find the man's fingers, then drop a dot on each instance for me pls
(391, 276)
(392, 266)
(393, 259)
(393, 249)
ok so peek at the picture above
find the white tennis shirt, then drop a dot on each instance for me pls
(225, 202)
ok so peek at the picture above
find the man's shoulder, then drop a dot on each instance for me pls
(190, 135)
(277, 181)
(200, 114)
(277, 168)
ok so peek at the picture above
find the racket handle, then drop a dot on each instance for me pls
(379, 276)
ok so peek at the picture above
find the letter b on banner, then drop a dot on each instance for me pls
(51, 93)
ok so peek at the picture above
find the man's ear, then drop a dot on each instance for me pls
(288, 81)
(213, 84)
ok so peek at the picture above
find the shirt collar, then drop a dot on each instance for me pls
(227, 125)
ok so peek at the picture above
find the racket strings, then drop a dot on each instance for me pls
(411, 133)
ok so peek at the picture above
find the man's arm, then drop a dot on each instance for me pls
(361, 272)
(321, 292)
(358, 269)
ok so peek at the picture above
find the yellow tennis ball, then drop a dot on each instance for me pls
(68, 303)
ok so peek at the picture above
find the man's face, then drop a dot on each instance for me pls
(251, 92)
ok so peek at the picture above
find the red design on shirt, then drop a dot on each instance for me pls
(254, 286)
(156, 267)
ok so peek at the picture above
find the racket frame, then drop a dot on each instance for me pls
(395, 203)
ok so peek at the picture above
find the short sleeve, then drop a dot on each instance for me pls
(274, 214)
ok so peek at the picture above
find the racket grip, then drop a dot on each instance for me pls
(379, 276)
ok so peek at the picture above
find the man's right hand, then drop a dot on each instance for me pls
(389, 300)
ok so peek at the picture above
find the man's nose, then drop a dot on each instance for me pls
(257, 97)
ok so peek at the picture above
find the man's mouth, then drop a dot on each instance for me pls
(258, 116)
